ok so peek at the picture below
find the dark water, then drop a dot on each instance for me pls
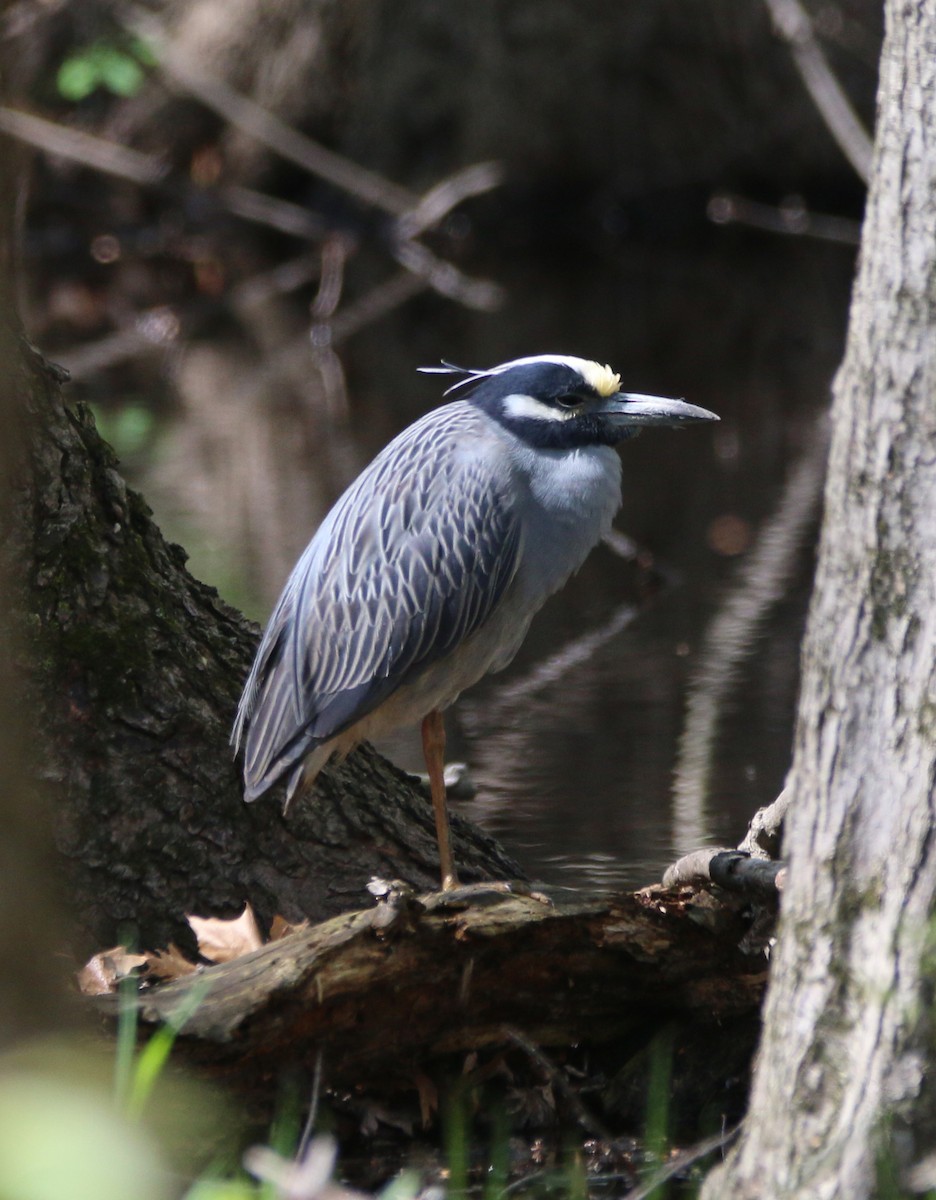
(574, 749)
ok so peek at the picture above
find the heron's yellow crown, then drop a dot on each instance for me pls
(605, 381)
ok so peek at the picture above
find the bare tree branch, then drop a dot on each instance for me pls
(72, 144)
(794, 25)
(149, 171)
(439, 201)
(792, 218)
(416, 214)
(447, 279)
(265, 127)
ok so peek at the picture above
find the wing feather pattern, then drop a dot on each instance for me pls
(412, 560)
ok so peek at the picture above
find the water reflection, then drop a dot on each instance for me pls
(574, 746)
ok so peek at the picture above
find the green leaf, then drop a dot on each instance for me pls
(128, 1009)
(77, 78)
(102, 64)
(120, 73)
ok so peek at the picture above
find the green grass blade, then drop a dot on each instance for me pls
(154, 1055)
(127, 1009)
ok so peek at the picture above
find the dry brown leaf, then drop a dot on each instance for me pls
(102, 973)
(221, 940)
(281, 928)
(170, 963)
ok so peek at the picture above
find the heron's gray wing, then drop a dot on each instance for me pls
(409, 563)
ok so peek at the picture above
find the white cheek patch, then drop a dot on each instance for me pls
(519, 405)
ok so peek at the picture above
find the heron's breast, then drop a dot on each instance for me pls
(570, 503)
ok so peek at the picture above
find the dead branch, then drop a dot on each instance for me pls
(447, 279)
(85, 148)
(415, 214)
(157, 329)
(382, 299)
(551, 1073)
(282, 279)
(736, 871)
(147, 170)
(153, 331)
(792, 219)
(265, 127)
(794, 25)
(271, 211)
(439, 201)
(681, 1162)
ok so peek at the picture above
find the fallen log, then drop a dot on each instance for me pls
(382, 994)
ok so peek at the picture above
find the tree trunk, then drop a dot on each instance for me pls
(137, 668)
(847, 1045)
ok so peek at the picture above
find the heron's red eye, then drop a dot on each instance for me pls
(568, 401)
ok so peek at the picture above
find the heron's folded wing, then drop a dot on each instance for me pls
(410, 562)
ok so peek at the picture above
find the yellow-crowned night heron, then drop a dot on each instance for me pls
(426, 573)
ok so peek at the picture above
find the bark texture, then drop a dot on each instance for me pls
(137, 668)
(847, 1042)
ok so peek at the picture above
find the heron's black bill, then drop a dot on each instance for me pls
(630, 408)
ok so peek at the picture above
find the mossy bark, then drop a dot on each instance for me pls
(841, 1089)
(137, 668)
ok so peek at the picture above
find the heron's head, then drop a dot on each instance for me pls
(553, 401)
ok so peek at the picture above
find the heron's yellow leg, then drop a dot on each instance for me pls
(433, 739)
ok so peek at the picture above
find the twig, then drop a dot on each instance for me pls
(156, 329)
(794, 25)
(792, 219)
(681, 1162)
(734, 870)
(81, 147)
(335, 250)
(439, 201)
(271, 211)
(380, 300)
(377, 303)
(447, 279)
(251, 118)
(147, 170)
(312, 1116)
(416, 213)
(589, 1123)
(279, 281)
